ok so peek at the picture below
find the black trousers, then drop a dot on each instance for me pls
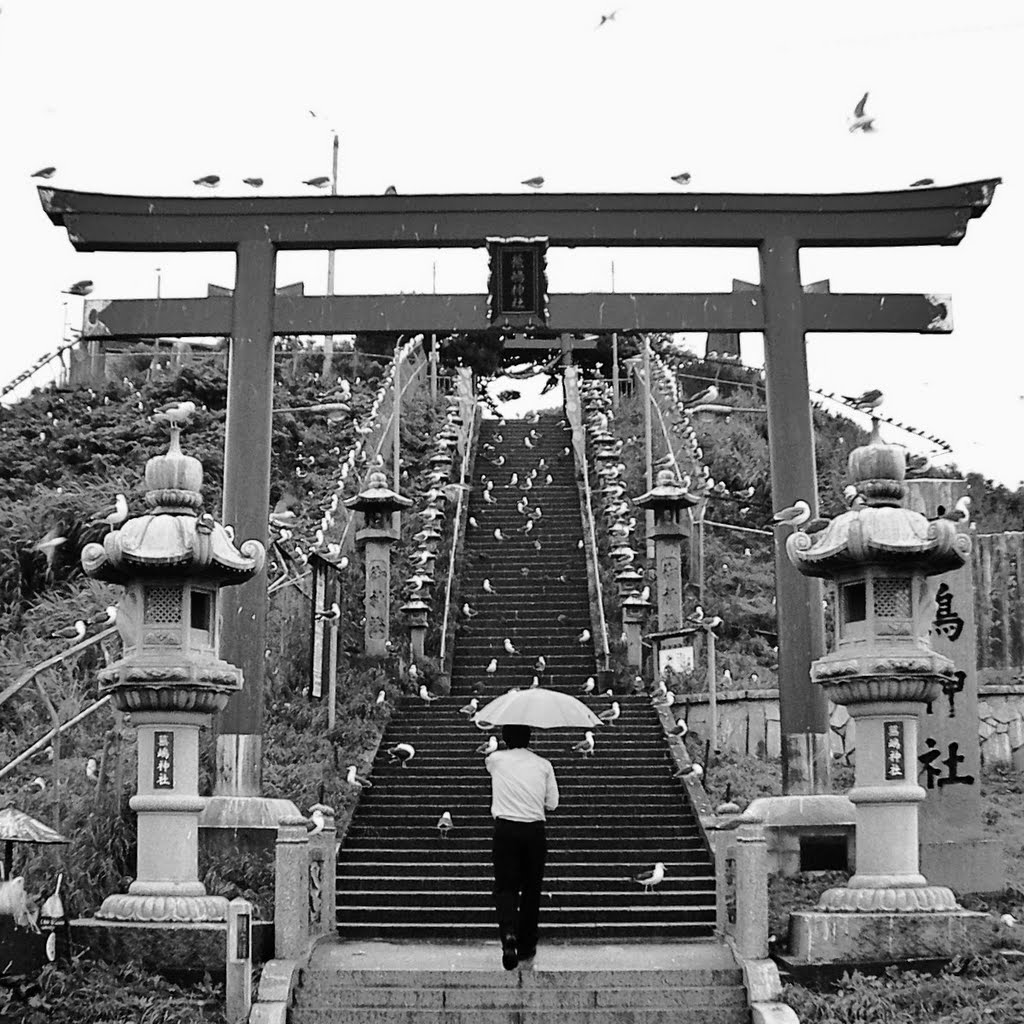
(519, 850)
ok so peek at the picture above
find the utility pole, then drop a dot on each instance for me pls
(615, 370)
(329, 339)
(648, 443)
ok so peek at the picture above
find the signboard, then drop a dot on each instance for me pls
(163, 760)
(518, 284)
(676, 654)
(895, 751)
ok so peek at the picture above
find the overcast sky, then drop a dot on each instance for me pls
(476, 95)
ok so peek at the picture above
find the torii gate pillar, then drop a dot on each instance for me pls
(804, 725)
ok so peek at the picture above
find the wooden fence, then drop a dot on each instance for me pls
(998, 568)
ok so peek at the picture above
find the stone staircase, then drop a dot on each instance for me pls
(620, 811)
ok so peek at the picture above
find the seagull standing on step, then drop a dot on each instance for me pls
(488, 589)
(649, 879)
(498, 535)
(445, 824)
(426, 695)
(470, 708)
(469, 612)
(585, 745)
(510, 648)
(353, 779)
(584, 637)
(680, 730)
(492, 666)
(401, 753)
(610, 715)
(381, 697)
(489, 747)
(588, 686)
(541, 665)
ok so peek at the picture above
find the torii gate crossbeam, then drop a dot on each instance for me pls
(255, 228)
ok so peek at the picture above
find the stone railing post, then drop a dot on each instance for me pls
(291, 889)
(238, 962)
(725, 880)
(322, 874)
(751, 892)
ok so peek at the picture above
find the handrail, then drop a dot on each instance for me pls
(574, 412)
(38, 365)
(468, 413)
(28, 676)
(49, 737)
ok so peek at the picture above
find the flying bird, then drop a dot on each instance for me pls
(401, 753)
(207, 180)
(45, 172)
(445, 824)
(611, 714)
(536, 182)
(605, 18)
(585, 745)
(321, 181)
(862, 122)
(682, 179)
(254, 182)
(79, 288)
(649, 879)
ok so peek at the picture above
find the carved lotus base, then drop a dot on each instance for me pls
(128, 907)
(911, 899)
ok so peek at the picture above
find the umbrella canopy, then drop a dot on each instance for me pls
(18, 827)
(543, 709)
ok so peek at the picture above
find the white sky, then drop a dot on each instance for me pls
(475, 95)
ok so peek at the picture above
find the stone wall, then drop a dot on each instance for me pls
(748, 722)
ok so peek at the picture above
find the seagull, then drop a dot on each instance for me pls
(649, 879)
(489, 746)
(682, 179)
(321, 181)
(353, 779)
(488, 589)
(611, 714)
(585, 745)
(1008, 920)
(316, 823)
(680, 730)
(426, 695)
(401, 752)
(107, 617)
(693, 770)
(45, 172)
(541, 665)
(381, 697)
(175, 413)
(663, 700)
(510, 648)
(254, 182)
(498, 535)
(445, 824)
(588, 686)
(918, 464)
(391, 191)
(492, 666)
(75, 632)
(861, 122)
(796, 514)
(921, 182)
(470, 708)
(584, 637)
(207, 180)
(535, 683)
(469, 612)
(331, 614)
(115, 515)
(605, 18)
(92, 769)
(709, 394)
(536, 182)
(79, 288)
(697, 615)
(867, 401)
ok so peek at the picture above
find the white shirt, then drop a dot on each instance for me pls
(522, 785)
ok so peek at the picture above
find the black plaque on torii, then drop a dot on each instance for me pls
(517, 285)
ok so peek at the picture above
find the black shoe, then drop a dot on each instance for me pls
(509, 955)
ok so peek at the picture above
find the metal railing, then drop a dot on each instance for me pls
(574, 412)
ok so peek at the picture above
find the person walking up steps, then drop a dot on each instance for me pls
(523, 789)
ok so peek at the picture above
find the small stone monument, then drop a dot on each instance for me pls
(882, 667)
(171, 562)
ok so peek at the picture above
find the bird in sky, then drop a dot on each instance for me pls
(862, 122)
(588, 686)
(510, 648)
(254, 182)
(921, 182)
(175, 413)
(75, 632)
(605, 18)
(585, 745)
(536, 182)
(207, 180)
(332, 614)
(713, 623)
(353, 779)
(401, 753)
(445, 824)
(113, 515)
(79, 288)
(321, 181)
(796, 514)
(426, 695)
(45, 172)
(649, 879)
(866, 401)
(584, 637)
(492, 666)
(610, 715)
(489, 746)
(470, 708)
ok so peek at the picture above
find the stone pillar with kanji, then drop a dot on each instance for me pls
(171, 562)
(377, 502)
(669, 501)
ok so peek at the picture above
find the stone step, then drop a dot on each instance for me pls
(330, 1015)
(655, 909)
(638, 854)
(677, 868)
(398, 896)
(554, 881)
(576, 931)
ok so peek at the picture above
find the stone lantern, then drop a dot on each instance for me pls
(377, 502)
(416, 612)
(171, 562)
(882, 668)
(441, 463)
(634, 610)
(628, 581)
(670, 503)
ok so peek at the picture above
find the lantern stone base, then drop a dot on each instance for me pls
(887, 899)
(820, 936)
(165, 907)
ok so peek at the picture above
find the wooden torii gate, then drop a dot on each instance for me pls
(256, 228)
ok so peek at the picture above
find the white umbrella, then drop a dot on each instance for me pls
(544, 709)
